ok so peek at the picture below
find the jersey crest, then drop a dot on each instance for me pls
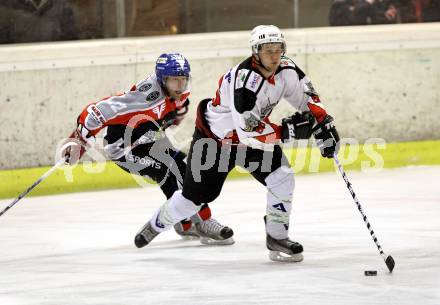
(159, 109)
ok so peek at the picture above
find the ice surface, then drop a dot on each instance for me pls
(78, 248)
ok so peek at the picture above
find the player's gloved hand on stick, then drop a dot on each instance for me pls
(297, 126)
(76, 145)
(169, 120)
(327, 137)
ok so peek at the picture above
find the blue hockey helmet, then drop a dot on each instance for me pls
(171, 64)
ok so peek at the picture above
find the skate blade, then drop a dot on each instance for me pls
(217, 242)
(189, 237)
(278, 256)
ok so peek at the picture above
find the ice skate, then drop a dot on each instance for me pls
(145, 235)
(186, 234)
(284, 250)
(213, 233)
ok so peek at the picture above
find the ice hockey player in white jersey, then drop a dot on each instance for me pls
(236, 122)
(135, 140)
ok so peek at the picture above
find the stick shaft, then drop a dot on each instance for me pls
(45, 175)
(364, 217)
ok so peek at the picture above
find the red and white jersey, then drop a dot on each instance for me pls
(245, 99)
(145, 102)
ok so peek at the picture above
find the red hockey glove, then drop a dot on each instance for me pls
(76, 145)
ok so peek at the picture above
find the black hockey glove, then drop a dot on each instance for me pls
(297, 126)
(175, 117)
(169, 119)
(327, 137)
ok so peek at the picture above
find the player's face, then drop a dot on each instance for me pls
(176, 85)
(270, 55)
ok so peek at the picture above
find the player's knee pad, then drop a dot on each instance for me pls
(280, 185)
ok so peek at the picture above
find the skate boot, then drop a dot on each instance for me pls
(186, 230)
(284, 250)
(145, 235)
(213, 233)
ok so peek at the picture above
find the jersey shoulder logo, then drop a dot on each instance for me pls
(145, 87)
(241, 77)
(287, 62)
(152, 96)
(254, 81)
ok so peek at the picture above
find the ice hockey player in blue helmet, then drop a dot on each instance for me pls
(134, 124)
(173, 74)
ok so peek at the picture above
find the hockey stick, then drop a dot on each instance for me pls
(47, 174)
(389, 261)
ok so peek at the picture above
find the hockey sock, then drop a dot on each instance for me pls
(186, 224)
(280, 184)
(202, 215)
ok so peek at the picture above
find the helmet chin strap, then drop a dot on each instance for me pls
(258, 62)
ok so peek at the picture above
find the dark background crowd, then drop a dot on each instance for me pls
(24, 21)
(362, 12)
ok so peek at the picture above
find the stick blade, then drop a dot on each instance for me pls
(390, 263)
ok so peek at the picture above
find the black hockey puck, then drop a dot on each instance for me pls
(370, 272)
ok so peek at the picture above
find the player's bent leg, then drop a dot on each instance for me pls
(170, 213)
(280, 185)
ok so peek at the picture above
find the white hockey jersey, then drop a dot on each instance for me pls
(245, 99)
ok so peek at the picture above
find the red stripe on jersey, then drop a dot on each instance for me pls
(183, 98)
(216, 100)
(273, 137)
(318, 112)
(152, 114)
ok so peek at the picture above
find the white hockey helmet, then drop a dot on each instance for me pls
(262, 34)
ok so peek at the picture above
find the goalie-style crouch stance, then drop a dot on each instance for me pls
(135, 140)
(236, 121)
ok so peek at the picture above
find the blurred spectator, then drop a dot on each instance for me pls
(360, 12)
(349, 12)
(36, 20)
(407, 11)
(383, 11)
(431, 11)
(419, 10)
